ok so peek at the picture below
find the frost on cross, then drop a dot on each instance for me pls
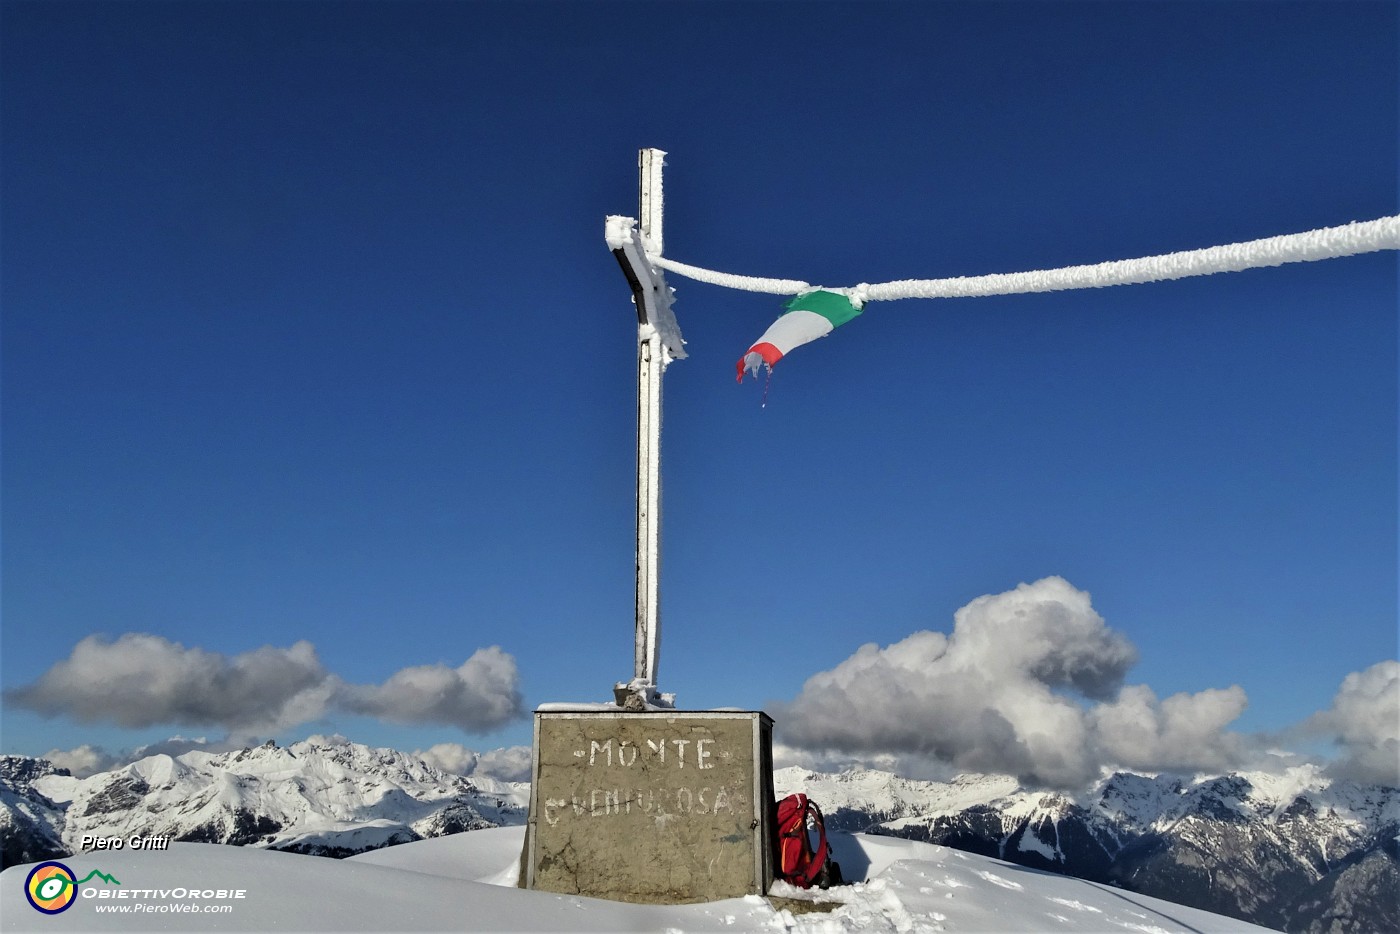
(635, 244)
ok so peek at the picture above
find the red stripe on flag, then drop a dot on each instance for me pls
(767, 351)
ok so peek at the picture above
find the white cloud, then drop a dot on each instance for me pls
(480, 694)
(1030, 683)
(830, 761)
(1185, 731)
(86, 760)
(509, 764)
(452, 758)
(1364, 722)
(179, 745)
(334, 739)
(142, 680)
(82, 761)
(1047, 631)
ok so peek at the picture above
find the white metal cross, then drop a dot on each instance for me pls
(658, 343)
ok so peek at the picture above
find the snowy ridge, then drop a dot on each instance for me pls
(857, 798)
(30, 821)
(1129, 801)
(466, 883)
(1293, 850)
(326, 797)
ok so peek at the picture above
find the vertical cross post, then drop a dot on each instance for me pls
(651, 363)
(658, 343)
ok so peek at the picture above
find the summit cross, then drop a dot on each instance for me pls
(658, 343)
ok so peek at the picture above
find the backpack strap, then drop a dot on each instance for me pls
(822, 851)
(798, 861)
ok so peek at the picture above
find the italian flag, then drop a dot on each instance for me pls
(809, 316)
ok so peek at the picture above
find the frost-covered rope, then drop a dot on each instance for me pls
(1324, 243)
(731, 281)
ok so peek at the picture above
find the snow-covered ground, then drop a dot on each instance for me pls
(464, 882)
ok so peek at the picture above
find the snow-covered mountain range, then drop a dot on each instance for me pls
(323, 797)
(1295, 851)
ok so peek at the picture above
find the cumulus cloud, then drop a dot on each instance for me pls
(453, 758)
(179, 745)
(1364, 723)
(86, 760)
(509, 764)
(483, 692)
(332, 739)
(1030, 683)
(1185, 731)
(141, 680)
(83, 760)
(828, 760)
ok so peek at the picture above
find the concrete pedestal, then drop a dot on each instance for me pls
(658, 806)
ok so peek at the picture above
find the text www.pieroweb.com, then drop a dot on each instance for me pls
(165, 901)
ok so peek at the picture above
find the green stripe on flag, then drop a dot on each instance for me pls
(832, 306)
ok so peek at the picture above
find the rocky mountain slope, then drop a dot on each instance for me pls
(1296, 852)
(320, 797)
(31, 824)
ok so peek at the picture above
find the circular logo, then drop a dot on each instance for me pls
(51, 887)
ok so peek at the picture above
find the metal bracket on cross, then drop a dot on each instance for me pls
(652, 297)
(658, 343)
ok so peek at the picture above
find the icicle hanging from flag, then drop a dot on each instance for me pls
(809, 316)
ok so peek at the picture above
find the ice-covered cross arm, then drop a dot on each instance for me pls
(650, 294)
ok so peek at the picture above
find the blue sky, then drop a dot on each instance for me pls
(310, 334)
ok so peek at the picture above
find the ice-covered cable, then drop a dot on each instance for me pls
(730, 280)
(1324, 243)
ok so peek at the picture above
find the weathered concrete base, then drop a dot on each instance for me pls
(658, 806)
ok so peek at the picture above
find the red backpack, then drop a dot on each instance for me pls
(799, 862)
